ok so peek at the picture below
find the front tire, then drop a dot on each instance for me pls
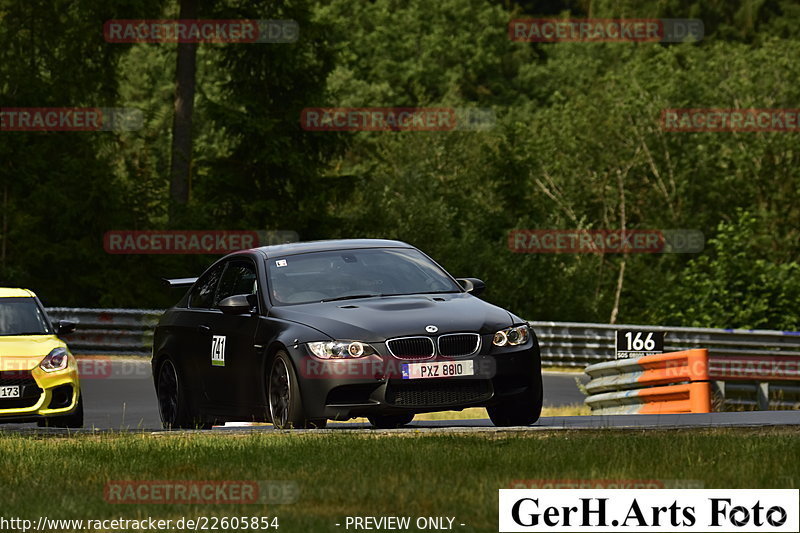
(174, 406)
(72, 420)
(520, 410)
(390, 421)
(283, 396)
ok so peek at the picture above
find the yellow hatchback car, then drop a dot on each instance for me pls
(38, 374)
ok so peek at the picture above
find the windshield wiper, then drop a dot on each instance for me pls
(424, 292)
(438, 292)
(353, 297)
(385, 295)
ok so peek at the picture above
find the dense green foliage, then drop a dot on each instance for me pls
(577, 144)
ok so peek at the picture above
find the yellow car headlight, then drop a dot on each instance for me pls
(56, 360)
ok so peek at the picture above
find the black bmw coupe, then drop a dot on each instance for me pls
(298, 334)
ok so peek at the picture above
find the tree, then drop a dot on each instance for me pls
(182, 122)
(736, 285)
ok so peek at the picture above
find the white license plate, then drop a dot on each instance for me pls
(440, 369)
(9, 392)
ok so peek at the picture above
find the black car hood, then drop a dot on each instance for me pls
(376, 319)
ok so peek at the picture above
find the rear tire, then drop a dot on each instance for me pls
(174, 405)
(390, 421)
(72, 420)
(520, 410)
(283, 397)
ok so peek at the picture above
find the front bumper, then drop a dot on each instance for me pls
(42, 394)
(343, 389)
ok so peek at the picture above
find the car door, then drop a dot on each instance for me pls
(234, 355)
(193, 328)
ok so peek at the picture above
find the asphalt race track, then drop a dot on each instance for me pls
(119, 395)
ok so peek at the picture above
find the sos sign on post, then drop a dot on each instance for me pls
(637, 343)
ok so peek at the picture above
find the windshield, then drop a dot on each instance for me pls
(22, 316)
(350, 274)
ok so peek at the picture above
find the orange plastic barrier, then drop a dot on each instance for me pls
(669, 383)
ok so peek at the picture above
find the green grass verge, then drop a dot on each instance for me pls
(407, 473)
(475, 413)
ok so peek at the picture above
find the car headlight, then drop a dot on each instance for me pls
(513, 336)
(55, 360)
(341, 349)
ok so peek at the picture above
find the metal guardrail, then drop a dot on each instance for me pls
(755, 396)
(109, 331)
(578, 345)
(755, 382)
(130, 331)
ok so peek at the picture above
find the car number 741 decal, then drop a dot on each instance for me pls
(218, 350)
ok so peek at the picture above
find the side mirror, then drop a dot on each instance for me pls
(474, 286)
(235, 305)
(65, 327)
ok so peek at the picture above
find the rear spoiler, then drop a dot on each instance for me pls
(179, 282)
